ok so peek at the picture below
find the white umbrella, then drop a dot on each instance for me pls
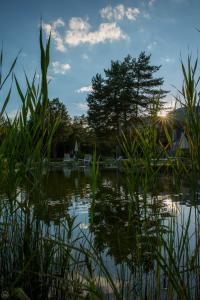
(183, 144)
(76, 147)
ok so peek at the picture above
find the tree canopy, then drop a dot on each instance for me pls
(57, 112)
(128, 90)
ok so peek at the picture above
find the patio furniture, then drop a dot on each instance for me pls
(67, 158)
(110, 163)
(87, 159)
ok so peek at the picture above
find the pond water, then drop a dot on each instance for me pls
(123, 226)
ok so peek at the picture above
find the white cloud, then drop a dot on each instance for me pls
(152, 2)
(79, 30)
(152, 45)
(132, 13)
(78, 24)
(84, 89)
(79, 33)
(13, 113)
(49, 77)
(119, 12)
(107, 13)
(168, 60)
(59, 41)
(85, 56)
(59, 68)
(82, 106)
(58, 23)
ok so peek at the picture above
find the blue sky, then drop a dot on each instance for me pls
(87, 34)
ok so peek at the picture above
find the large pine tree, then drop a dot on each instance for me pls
(128, 90)
(147, 88)
(119, 92)
(96, 103)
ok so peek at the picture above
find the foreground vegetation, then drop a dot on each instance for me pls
(52, 261)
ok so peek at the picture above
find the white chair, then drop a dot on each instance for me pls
(87, 159)
(67, 158)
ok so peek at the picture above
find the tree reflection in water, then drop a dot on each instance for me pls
(129, 232)
(38, 224)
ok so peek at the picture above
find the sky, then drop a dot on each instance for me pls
(88, 34)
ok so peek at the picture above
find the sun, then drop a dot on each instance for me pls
(163, 114)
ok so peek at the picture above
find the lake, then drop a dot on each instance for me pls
(111, 230)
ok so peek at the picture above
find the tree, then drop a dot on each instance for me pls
(128, 90)
(119, 93)
(96, 102)
(81, 133)
(57, 112)
(80, 128)
(147, 88)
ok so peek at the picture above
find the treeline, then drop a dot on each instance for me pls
(129, 90)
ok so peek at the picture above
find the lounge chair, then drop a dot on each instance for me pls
(87, 159)
(67, 158)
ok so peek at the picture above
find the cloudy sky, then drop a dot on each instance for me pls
(88, 34)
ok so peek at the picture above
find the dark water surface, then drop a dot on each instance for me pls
(117, 222)
(111, 214)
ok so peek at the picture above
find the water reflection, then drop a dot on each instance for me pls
(67, 172)
(126, 228)
(119, 225)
